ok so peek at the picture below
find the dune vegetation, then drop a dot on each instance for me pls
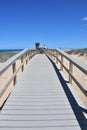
(80, 52)
(6, 55)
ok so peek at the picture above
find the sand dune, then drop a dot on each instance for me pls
(81, 58)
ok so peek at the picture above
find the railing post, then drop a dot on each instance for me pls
(56, 58)
(71, 71)
(22, 68)
(61, 62)
(49, 54)
(14, 70)
(29, 55)
(26, 57)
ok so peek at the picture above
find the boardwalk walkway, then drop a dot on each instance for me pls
(38, 101)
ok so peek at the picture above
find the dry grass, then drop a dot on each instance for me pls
(4, 56)
(80, 52)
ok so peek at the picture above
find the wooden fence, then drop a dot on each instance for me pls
(24, 57)
(59, 56)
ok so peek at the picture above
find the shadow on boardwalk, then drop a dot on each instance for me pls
(78, 111)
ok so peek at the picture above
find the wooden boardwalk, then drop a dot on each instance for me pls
(38, 101)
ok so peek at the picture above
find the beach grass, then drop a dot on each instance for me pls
(80, 52)
(6, 55)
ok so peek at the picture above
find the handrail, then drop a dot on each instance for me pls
(24, 56)
(77, 63)
(54, 53)
(9, 62)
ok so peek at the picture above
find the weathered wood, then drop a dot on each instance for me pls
(73, 61)
(77, 63)
(26, 57)
(22, 68)
(12, 62)
(38, 101)
(9, 62)
(14, 70)
(57, 57)
(71, 71)
(61, 62)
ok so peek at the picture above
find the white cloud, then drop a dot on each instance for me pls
(85, 18)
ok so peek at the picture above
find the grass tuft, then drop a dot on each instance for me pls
(80, 52)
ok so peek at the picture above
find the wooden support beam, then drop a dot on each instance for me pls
(56, 58)
(61, 62)
(22, 68)
(26, 58)
(14, 70)
(71, 71)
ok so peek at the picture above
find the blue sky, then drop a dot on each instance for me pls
(56, 23)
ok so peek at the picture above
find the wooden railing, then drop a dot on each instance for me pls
(55, 54)
(24, 57)
(59, 56)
